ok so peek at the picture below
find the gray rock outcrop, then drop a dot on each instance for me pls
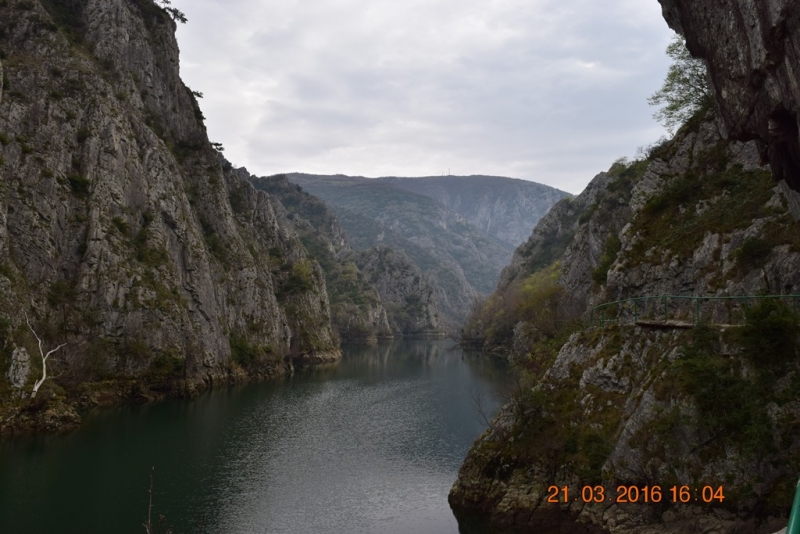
(460, 260)
(357, 313)
(405, 291)
(700, 217)
(121, 229)
(19, 368)
(752, 50)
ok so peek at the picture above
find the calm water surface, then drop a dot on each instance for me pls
(369, 446)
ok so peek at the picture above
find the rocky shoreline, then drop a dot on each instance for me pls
(56, 411)
(511, 495)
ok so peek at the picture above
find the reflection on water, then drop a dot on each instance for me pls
(371, 445)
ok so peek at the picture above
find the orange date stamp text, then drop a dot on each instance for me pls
(637, 494)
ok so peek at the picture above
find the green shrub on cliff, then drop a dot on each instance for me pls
(536, 307)
(176, 14)
(613, 246)
(540, 302)
(753, 252)
(704, 199)
(685, 91)
(725, 397)
(300, 279)
(242, 352)
(68, 17)
(769, 339)
(734, 391)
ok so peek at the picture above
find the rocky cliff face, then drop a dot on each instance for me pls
(709, 249)
(752, 50)
(405, 291)
(357, 313)
(121, 233)
(633, 405)
(573, 231)
(504, 208)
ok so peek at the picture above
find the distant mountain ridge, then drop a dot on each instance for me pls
(392, 298)
(460, 258)
(505, 208)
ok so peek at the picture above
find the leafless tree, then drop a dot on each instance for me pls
(44, 356)
(478, 397)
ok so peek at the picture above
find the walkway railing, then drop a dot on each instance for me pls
(794, 516)
(680, 310)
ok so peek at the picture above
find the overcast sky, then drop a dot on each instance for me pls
(546, 90)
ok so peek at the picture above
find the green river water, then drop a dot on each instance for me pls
(371, 445)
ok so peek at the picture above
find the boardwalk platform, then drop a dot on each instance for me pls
(665, 325)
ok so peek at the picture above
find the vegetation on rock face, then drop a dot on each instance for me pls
(534, 311)
(497, 323)
(250, 355)
(733, 199)
(613, 246)
(300, 279)
(627, 406)
(373, 293)
(68, 17)
(143, 251)
(357, 313)
(406, 292)
(461, 260)
(737, 393)
(176, 14)
(685, 91)
(733, 392)
(638, 406)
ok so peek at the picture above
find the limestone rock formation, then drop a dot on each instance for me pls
(121, 232)
(461, 260)
(405, 291)
(630, 405)
(752, 50)
(19, 369)
(357, 313)
(564, 232)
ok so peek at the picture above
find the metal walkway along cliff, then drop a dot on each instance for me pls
(680, 311)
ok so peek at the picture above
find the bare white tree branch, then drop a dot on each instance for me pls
(479, 405)
(44, 356)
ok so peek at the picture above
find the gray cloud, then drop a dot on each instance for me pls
(545, 90)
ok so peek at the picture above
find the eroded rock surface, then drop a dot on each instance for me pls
(122, 232)
(357, 313)
(700, 217)
(19, 368)
(407, 293)
(752, 49)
